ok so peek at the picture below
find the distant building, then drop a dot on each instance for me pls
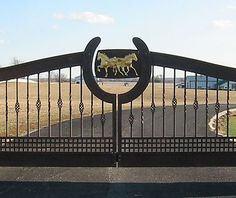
(232, 85)
(201, 82)
(211, 84)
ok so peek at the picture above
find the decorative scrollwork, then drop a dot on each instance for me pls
(103, 118)
(153, 108)
(131, 119)
(81, 107)
(17, 107)
(195, 105)
(38, 104)
(217, 107)
(59, 103)
(174, 103)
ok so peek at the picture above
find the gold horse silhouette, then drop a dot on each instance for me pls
(117, 64)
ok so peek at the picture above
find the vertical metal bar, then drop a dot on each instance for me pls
(6, 103)
(49, 105)
(195, 107)
(142, 116)
(163, 103)
(115, 141)
(227, 124)
(217, 106)
(103, 119)
(153, 102)
(185, 109)
(131, 119)
(81, 102)
(38, 105)
(70, 103)
(91, 116)
(206, 106)
(27, 111)
(59, 103)
(174, 103)
(17, 108)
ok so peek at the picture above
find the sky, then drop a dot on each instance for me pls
(200, 29)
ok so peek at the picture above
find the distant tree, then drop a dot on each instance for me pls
(16, 61)
(158, 78)
(55, 77)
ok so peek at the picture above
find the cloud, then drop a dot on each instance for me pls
(88, 17)
(59, 16)
(91, 17)
(224, 24)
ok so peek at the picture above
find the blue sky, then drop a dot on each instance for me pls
(201, 29)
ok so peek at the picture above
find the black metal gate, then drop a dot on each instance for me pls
(158, 122)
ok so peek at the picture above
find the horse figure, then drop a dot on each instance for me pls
(128, 60)
(117, 64)
(106, 63)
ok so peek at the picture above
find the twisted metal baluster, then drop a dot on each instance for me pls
(131, 119)
(81, 105)
(174, 104)
(59, 104)
(49, 105)
(70, 103)
(185, 108)
(142, 116)
(217, 106)
(163, 102)
(195, 106)
(227, 109)
(17, 108)
(153, 106)
(228, 113)
(103, 119)
(27, 111)
(206, 106)
(38, 105)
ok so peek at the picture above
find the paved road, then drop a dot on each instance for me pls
(122, 182)
(117, 182)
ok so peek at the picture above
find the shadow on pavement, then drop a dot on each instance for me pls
(77, 189)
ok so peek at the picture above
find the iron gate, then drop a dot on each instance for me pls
(45, 120)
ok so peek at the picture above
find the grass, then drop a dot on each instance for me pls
(232, 126)
(113, 87)
(222, 125)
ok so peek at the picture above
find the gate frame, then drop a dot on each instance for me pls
(118, 157)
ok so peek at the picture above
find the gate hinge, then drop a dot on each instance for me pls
(117, 157)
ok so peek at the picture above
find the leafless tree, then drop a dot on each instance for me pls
(55, 77)
(16, 61)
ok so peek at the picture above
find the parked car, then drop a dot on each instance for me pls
(180, 85)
